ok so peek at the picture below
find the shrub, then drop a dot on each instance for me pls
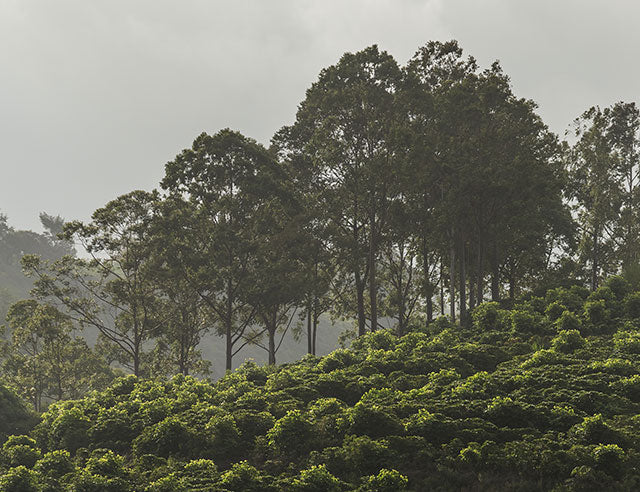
(55, 464)
(19, 479)
(555, 310)
(568, 321)
(20, 450)
(316, 479)
(373, 421)
(619, 286)
(596, 312)
(568, 341)
(524, 322)
(487, 316)
(70, 430)
(632, 305)
(385, 481)
(242, 477)
(169, 437)
(627, 342)
(291, 435)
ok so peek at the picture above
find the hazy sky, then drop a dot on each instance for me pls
(96, 96)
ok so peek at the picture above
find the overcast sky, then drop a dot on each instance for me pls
(96, 96)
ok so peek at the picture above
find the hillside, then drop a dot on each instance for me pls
(543, 396)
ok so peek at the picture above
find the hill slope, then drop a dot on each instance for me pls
(544, 396)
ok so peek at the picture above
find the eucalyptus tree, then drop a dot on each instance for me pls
(116, 290)
(215, 188)
(347, 126)
(596, 190)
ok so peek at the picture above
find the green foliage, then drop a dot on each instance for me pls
(385, 481)
(568, 341)
(437, 407)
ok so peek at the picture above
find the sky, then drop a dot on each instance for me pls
(96, 96)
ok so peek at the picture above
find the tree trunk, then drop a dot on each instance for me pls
(360, 301)
(463, 284)
(441, 287)
(594, 262)
(495, 275)
(480, 273)
(229, 328)
(309, 333)
(373, 288)
(452, 282)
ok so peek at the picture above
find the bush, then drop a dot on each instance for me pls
(632, 305)
(170, 437)
(568, 321)
(316, 479)
(619, 286)
(568, 341)
(385, 481)
(555, 310)
(371, 420)
(292, 435)
(596, 312)
(487, 316)
(524, 322)
(20, 450)
(19, 479)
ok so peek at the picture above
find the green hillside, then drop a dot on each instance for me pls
(540, 397)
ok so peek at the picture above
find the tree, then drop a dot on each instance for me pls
(116, 291)
(45, 361)
(347, 127)
(215, 188)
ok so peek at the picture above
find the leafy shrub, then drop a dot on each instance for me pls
(524, 322)
(242, 477)
(385, 481)
(19, 479)
(291, 435)
(170, 437)
(55, 464)
(70, 430)
(618, 286)
(487, 316)
(316, 479)
(596, 312)
(20, 450)
(555, 310)
(568, 341)
(632, 305)
(373, 421)
(627, 342)
(568, 321)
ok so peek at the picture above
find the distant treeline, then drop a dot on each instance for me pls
(399, 193)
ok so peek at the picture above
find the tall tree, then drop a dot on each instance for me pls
(215, 188)
(115, 291)
(347, 127)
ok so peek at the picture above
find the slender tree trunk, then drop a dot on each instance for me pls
(472, 285)
(495, 275)
(428, 287)
(595, 260)
(229, 327)
(271, 329)
(480, 272)
(463, 284)
(360, 301)
(452, 282)
(309, 332)
(373, 288)
(441, 287)
(315, 333)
